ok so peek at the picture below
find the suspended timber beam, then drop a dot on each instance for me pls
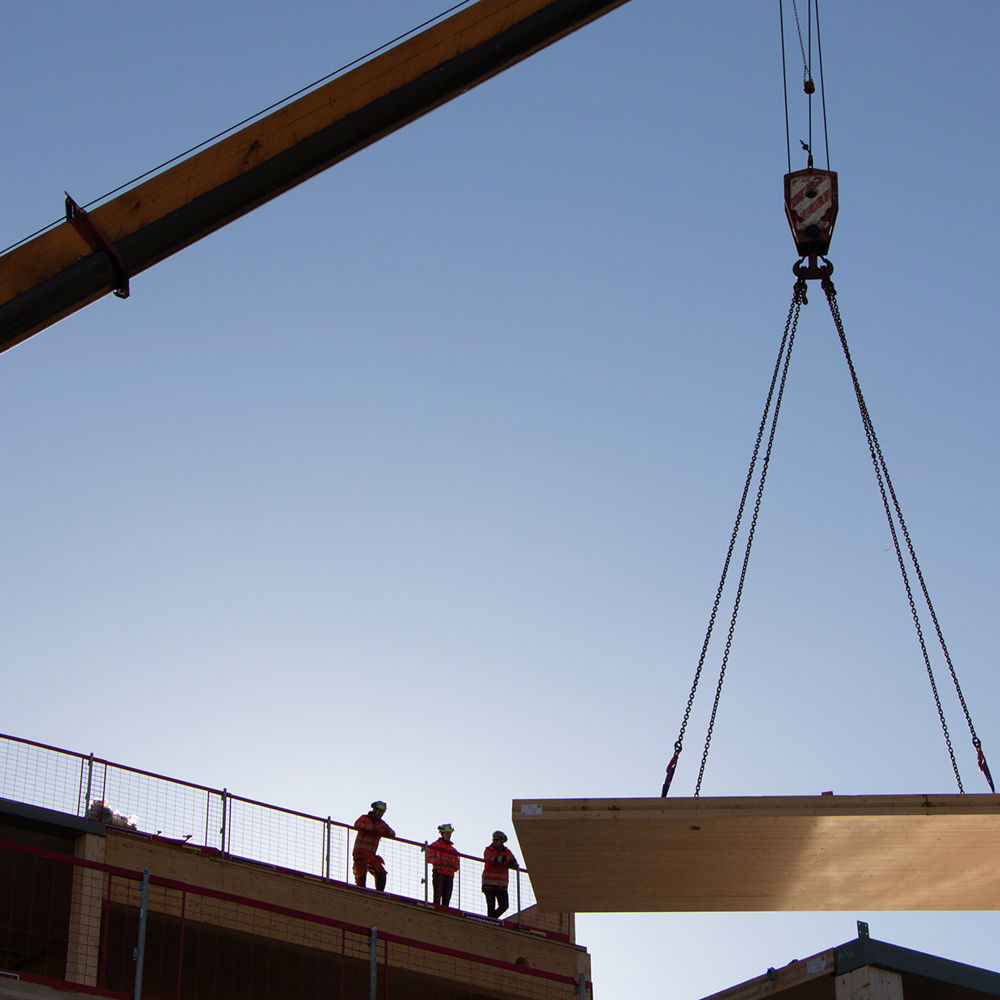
(824, 852)
(58, 272)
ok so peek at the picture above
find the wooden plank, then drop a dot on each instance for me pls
(823, 852)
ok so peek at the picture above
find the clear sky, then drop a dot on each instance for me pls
(416, 482)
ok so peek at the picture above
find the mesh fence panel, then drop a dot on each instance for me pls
(132, 799)
(468, 890)
(156, 804)
(276, 836)
(39, 776)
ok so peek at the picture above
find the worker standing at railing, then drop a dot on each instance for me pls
(497, 862)
(371, 829)
(443, 857)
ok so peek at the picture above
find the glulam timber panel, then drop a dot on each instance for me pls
(824, 852)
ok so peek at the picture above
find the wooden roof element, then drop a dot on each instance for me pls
(866, 969)
(822, 852)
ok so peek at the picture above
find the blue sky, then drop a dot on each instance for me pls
(416, 482)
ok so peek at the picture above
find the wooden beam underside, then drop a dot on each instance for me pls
(909, 852)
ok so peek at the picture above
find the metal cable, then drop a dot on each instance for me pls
(784, 80)
(822, 87)
(809, 92)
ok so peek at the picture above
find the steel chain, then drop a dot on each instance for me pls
(888, 491)
(802, 48)
(798, 296)
(890, 504)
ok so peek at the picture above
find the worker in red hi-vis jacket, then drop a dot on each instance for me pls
(444, 859)
(371, 829)
(497, 861)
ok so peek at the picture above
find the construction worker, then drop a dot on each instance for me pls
(444, 859)
(497, 862)
(371, 829)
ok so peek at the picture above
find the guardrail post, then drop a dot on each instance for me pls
(425, 870)
(517, 871)
(90, 782)
(140, 947)
(222, 829)
(326, 855)
(372, 962)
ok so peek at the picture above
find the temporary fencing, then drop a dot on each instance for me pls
(87, 786)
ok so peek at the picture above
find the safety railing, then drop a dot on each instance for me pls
(97, 929)
(88, 786)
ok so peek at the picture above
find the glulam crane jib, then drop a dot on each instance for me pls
(100, 246)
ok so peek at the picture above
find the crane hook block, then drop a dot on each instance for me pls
(811, 207)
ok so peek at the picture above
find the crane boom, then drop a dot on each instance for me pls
(59, 272)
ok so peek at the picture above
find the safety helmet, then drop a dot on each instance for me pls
(446, 828)
(500, 834)
(379, 804)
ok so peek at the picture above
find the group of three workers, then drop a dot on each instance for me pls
(441, 855)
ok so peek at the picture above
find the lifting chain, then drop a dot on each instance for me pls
(892, 509)
(888, 492)
(807, 83)
(780, 372)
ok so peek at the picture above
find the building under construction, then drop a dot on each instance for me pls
(122, 883)
(195, 893)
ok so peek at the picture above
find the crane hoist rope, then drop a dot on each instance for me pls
(811, 208)
(808, 83)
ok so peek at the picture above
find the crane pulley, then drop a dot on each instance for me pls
(811, 208)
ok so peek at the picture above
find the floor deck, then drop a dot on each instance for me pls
(823, 852)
